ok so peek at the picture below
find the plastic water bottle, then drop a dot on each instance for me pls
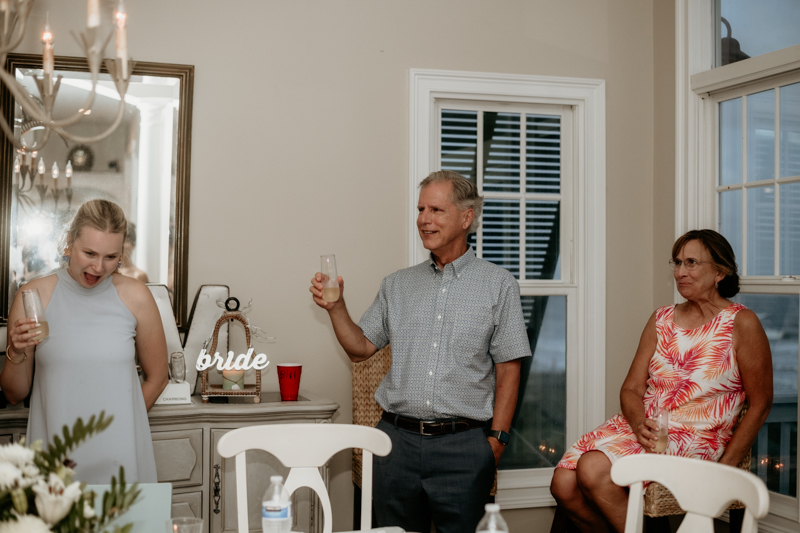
(492, 522)
(276, 508)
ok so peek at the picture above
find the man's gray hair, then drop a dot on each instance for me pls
(465, 193)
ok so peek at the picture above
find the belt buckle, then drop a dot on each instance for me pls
(422, 427)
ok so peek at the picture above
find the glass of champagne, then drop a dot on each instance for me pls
(330, 279)
(662, 419)
(178, 367)
(34, 309)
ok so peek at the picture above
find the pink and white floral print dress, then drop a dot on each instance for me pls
(694, 374)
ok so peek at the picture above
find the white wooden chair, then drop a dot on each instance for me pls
(704, 489)
(304, 448)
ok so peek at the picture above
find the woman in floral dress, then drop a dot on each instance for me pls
(699, 359)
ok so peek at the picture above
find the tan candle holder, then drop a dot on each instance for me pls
(209, 390)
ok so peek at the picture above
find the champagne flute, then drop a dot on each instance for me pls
(34, 309)
(662, 419)
(178, 367)
(330, 279)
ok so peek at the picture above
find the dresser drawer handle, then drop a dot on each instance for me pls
(216, 489)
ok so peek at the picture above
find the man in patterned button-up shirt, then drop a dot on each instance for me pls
(457, 333)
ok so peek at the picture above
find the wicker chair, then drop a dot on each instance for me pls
(367, 375)
(660, 504)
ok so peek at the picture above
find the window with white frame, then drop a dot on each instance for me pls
(738, 162)
(518, 156)
(515, 137)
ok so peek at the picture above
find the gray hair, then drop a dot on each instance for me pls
(465, 193)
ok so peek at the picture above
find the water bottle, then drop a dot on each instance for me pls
(492, 522)
(276, 508)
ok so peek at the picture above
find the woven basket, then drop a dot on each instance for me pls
(658, 501)
(367, 375)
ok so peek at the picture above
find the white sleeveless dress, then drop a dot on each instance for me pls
(86, 365)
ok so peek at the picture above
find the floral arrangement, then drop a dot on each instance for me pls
(38, 494)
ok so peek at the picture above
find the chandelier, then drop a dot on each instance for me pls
(15, 14)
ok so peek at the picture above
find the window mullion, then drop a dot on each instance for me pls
(479, 179)
(745, 192)
(523, 133)
(777, 269)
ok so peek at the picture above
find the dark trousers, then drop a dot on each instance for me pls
(444, 478)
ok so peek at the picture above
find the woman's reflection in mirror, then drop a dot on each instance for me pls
(128, 268)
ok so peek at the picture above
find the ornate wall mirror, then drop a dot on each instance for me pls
(143, 166)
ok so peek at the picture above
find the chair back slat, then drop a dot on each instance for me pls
(704, 489)
(304, 448)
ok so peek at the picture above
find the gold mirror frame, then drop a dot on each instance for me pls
(185, 74)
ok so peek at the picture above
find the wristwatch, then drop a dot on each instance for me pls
(500, 435)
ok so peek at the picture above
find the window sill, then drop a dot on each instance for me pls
(524, 489)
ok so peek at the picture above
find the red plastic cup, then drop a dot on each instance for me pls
(289, 380)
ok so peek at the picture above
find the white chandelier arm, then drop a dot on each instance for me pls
(95, 138)
(17, 143)
(23, 10)
(34, 109)
(92, 50)
(49, 102)
(31, 106)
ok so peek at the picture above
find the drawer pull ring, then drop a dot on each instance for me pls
(216, 489)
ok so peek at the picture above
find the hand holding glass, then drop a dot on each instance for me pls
(661, 418)
(330, 279)
(34, 309)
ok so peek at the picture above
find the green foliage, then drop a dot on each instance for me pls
(53, 458)
(116, 501)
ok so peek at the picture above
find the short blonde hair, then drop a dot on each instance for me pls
(465, 193)
(102, 215)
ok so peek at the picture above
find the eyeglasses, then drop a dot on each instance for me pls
(689, 264)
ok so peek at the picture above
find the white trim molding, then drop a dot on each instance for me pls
(694, 53)
(586, 388)
(696, 153)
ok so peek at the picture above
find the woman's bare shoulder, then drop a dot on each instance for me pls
(132, 292)
(746, 320)
(45, 284)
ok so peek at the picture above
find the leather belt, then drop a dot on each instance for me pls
(432, 427)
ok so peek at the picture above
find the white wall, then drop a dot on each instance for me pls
(299, 148)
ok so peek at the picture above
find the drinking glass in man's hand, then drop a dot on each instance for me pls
(330, 279)
(34, 309)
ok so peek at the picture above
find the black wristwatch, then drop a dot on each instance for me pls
(500, 435)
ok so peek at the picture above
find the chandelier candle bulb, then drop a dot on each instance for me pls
(55, 171)
(122, 39)
(93, 14)
(48, 60)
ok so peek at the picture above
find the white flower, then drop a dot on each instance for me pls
(24, 524)
(31, 472)
(88, 510)
(17, 455)
(9, 476)
(54, 500)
